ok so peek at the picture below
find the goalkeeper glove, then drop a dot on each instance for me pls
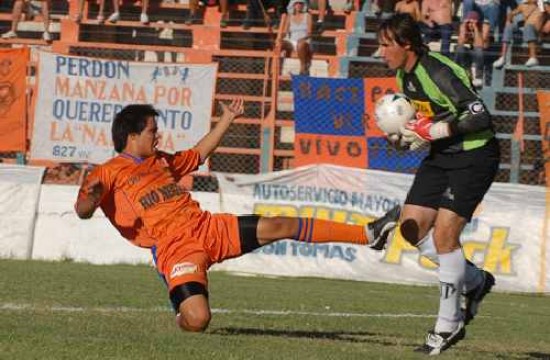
(420, 131)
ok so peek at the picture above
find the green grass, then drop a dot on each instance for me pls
(69, 311)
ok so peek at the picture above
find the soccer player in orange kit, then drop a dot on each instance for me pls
(138, 191)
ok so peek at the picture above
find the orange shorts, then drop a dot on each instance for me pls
(188, 257)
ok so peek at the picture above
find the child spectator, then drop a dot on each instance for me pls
(297, 34)
(489, 11)
(437, 21)
(533, 18)
(16, 17)
(470, 33)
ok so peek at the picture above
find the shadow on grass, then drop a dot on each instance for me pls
(537, 355)
(346, 336)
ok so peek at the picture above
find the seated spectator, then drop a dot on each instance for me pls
(437, 21)
(113, 18)
(297, 34)
(470, 48)
(18, 11)
(409, 6)
(533, 18)
(194, 9)
(489, 11)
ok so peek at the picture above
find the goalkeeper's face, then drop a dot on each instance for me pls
(393, 54)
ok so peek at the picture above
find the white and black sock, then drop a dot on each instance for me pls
(451, 281)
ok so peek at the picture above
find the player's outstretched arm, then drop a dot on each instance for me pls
(210, 141)
(88, 199)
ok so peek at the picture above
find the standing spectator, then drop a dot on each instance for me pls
(409, 6)
(437, 21)
(16, 17)
(470, 33)
(298, 33)
(533, 18)
(489, 11)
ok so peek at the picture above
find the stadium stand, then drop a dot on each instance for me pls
(249, 64)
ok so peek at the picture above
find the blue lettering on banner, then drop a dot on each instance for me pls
(328, 106)
(92, 68)
(331, 196)
(87, 111)
(384, 157)
(299, 249)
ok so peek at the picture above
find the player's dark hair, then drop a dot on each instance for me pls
(130, 120)
(404, 30)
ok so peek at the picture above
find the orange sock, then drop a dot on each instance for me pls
(322, 231)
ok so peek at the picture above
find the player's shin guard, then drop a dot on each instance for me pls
(451, 281)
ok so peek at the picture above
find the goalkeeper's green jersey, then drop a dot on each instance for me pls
(441, 89)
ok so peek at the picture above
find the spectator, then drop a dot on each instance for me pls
(113, 18)
(470, 33)
(409, 6)
(489, 11)
(437, 21)
(298, 33)
(18, 11)
(533, 18)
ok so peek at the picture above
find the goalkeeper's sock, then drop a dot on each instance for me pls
(322, 231)
(473, 276)
(451, 280)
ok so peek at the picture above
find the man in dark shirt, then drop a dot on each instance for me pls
(452, 180)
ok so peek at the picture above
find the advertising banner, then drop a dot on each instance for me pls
(507, 235)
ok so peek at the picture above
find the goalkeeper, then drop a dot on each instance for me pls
(451, 181)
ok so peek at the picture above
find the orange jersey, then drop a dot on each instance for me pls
(143, 200)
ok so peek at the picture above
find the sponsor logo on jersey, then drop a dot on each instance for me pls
(423, 107)
(410, 86)
(183, 269)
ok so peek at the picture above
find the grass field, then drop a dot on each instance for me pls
(79, 311)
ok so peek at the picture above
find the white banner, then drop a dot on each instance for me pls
(508, 235)
(19, 192)
(78, 98)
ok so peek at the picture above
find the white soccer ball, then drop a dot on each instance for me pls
(392, 111)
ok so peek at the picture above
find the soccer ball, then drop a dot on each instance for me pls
(393, 111)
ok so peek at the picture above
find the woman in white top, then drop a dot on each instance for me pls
(298, 33)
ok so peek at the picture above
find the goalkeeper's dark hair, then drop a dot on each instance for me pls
(130, 120)
(404, 30)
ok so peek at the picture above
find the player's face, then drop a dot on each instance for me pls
(393, 54)
(148, 139)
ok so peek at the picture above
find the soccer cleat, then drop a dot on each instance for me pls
(46, 36)
(473, 298)
(381, 229)
(436, 343)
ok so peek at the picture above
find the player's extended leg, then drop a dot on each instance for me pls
(374, 234)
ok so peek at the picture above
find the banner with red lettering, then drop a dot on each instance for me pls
(77, 99)
(543, 98)
(13, 99)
